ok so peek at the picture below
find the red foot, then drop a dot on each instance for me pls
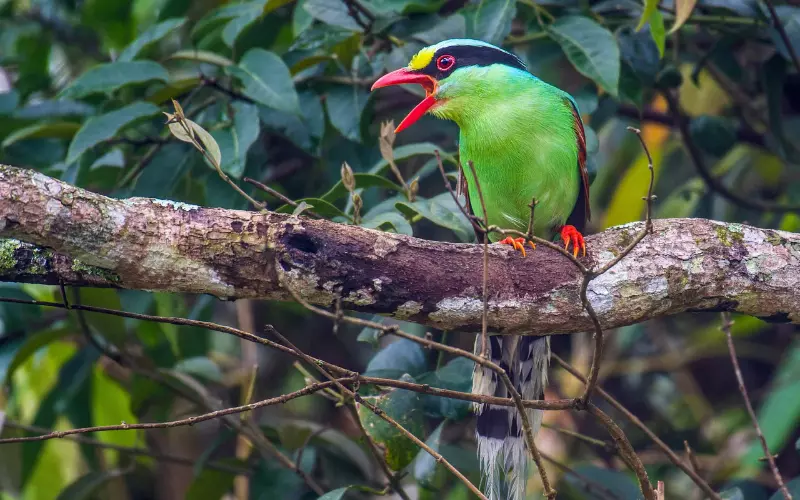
(571, 235)
(517, 243)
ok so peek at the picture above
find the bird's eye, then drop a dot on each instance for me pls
(445, 62)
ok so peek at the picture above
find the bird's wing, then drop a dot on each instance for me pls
(582, 212)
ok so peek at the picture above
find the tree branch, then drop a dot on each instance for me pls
(85, 239)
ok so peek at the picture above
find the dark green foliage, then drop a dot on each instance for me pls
(282, 87)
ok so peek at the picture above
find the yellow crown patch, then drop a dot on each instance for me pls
(421, 59)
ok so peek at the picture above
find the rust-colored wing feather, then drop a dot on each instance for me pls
(582, 211)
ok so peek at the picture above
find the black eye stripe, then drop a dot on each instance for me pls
(470, 55)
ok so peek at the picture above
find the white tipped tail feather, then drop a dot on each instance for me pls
(502, 451)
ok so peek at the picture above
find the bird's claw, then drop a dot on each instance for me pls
(571, 235)
(517, 243)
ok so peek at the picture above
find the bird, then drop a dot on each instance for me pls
(525, 139)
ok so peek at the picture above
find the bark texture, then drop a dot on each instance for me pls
(81, 238)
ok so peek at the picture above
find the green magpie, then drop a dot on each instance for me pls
(526, 140)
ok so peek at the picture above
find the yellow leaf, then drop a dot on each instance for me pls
(683, 9)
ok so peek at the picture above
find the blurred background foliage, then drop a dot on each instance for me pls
(283, 87)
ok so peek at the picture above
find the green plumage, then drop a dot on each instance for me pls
(520, 134)
(526, 140)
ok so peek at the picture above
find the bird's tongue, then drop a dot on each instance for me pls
(416, 113)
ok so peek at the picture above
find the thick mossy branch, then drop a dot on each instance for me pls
(686, 264)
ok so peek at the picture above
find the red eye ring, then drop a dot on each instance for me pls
(445, 62)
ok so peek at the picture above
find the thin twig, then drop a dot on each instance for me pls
(78, 438)
(378, 412)
(726, 327)
(599, 339)
(782, 32)
(591, 486)
(483, 361)
(712, 182)
(181, 422)
(626, 451)
(558, 404)
(278, 195)
(638, 423)
(485, 312)
(691, 457)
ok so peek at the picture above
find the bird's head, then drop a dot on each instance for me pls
(455, 74)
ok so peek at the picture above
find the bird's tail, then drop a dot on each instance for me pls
(502, 450)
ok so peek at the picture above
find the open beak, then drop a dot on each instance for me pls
(403, 75)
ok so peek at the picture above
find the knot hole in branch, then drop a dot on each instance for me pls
(302, 242)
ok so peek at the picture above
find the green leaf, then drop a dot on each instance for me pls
(89, 485)
(106, 78)
(493, 20)
(211, 484)
(8, 101)
(235, 141)
(456, 375)
(322, 207)
(332, 13)
(425, 465)
(30, 346)
(336, 494)
(266, 79)
(713, 134)
(779, 414)
(54, 130)
(345, 104)
(202, 56)
(405, 408)
(389, 221)
(683, 10)
(657, 32)
(732, 494)
(748, 488)
(200, 366)
(591, 48)
(153, 35)
(271, 5)
(238, 24)
(453, 26)
(618, 484)
(794, 489)
(398, 358)
(440, 210)
(650, 7)
(101, 128)
(301, 18)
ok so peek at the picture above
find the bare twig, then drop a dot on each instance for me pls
(481, 360)
(379, 412)
(638, 423)
(660, 493)
(782, 32)
(485, 289)
(280, 196)
(182, 422)
(559, 404)
(78, 438)
(726, 327)
(712, 182)
(691, 457)
(626, 451)
(594, 370)
(591, 486)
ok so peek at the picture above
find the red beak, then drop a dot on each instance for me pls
(403, 75)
